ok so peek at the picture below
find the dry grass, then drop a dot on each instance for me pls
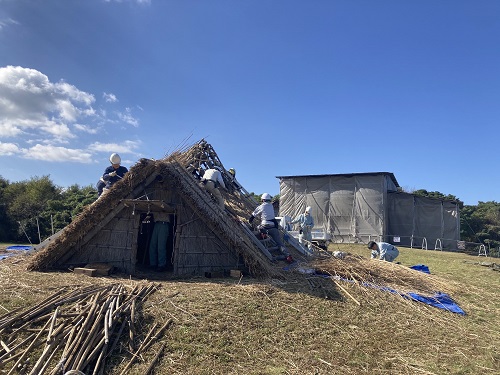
(306, 326)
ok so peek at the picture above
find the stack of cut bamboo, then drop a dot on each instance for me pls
(74, 330)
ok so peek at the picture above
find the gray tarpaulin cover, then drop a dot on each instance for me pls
(367, 206)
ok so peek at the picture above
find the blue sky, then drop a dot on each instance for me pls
(278, 87)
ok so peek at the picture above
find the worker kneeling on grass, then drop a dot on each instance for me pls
(383, 251)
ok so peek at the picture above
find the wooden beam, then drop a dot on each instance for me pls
(85, 271)
(143, 204)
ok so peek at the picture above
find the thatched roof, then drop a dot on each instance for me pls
(227, 225)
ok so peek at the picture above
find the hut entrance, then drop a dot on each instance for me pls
(146, 228)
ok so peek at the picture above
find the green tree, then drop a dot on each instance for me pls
(27, 200)
(7, 225)
(481, 223)
(437, 194)
(60, 211)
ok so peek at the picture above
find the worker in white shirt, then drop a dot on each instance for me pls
(306, 223)
(383, 251)
(211, 180)
(269, 224)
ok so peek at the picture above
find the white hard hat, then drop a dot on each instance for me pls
(266, 197)
(308, 209)
(115, 158)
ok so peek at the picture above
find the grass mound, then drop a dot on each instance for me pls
(301, 324)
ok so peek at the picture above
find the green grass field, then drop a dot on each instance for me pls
(248, 326)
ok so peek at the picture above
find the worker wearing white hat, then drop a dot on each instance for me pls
(269, 224)
(114, 172)
(306, 223)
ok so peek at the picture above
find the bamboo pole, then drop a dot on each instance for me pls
(152, 365)
(30, 346)
(346, 292)
(136, 354)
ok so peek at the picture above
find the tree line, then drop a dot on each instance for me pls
(479, 223)
(34, 209)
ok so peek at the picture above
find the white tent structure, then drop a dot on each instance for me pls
(360, 207)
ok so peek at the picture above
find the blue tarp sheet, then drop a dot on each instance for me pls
(421, 267)
(439, 300)
(19, 247)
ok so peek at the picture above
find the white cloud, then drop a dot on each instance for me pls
(85, 129)
(59, 131)
(30, 103)
(7, 22)
(124, 147)
(128, 118)
(109, 98)
(57, 154)
(8, 149)
(41, 119)
(7, 131)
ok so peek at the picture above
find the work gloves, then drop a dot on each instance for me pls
(112, 174)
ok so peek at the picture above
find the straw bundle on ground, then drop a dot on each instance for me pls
(382, 274)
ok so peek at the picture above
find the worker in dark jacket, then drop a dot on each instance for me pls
(114, 172)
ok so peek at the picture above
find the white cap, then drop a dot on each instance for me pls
(266, 197)
(115, 158)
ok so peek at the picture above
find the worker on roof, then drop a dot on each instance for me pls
(101, 184)
(112, 174)
(269, 224)
(306, 223)
(211, 180)
(383, 251)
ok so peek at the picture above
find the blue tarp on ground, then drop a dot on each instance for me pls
(439, 300)
(420, 267)
(19, 247)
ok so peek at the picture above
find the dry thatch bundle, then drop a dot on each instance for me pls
(378, 273)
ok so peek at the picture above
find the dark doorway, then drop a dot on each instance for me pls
(146, 225)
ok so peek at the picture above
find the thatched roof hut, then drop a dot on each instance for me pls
(114, 229)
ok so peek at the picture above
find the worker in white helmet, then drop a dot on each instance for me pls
(114, 172)
(306, 223)
(211, 180)
(269, 224)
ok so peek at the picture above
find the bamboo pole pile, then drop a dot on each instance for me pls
(73, 330)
